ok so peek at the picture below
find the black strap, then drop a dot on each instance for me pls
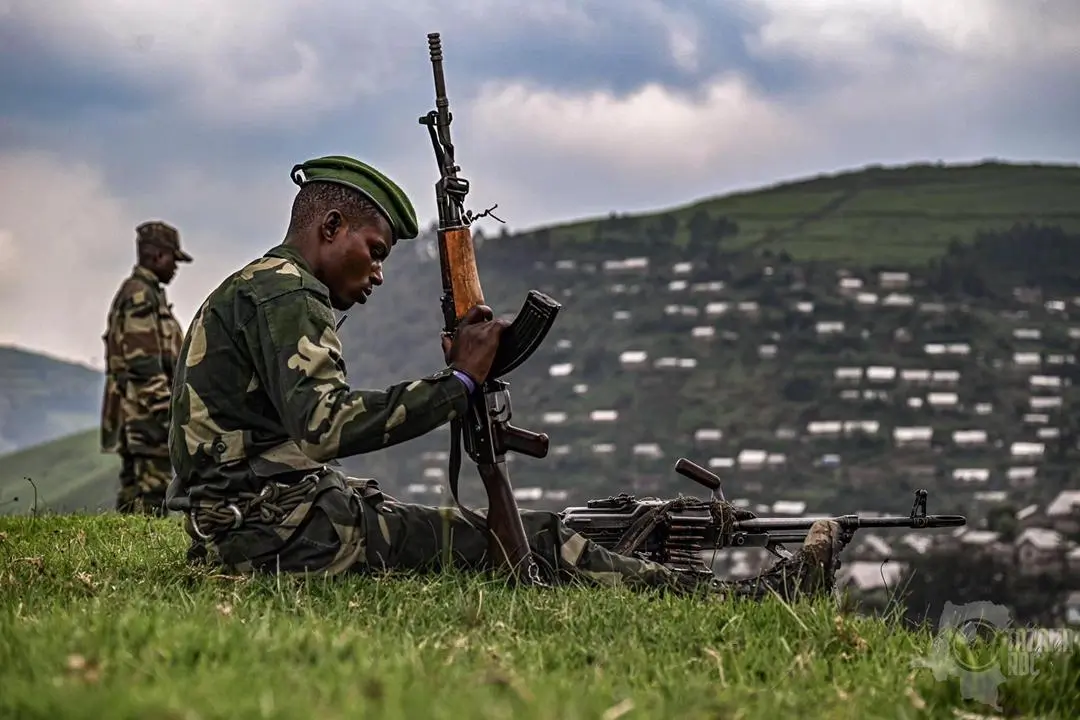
(475, 519)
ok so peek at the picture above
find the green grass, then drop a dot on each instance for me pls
(900, 215)
(100, 617)
(70, 475)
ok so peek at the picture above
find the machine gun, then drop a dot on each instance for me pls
(485, 431)
(679, 532)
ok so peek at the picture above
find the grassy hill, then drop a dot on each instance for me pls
(69, 473)
(897, 215)
(42, 398)
(723, 306)
(101, 618)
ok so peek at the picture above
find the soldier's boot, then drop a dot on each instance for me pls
(127, 500)
(152, 480)
(810, 572)
(150, 503)
(126, 495)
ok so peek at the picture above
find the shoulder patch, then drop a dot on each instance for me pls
(279, 266)
(270, 277)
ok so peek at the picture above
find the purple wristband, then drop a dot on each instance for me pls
(470, 385)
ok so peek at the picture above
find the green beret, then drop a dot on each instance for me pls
(369, 182)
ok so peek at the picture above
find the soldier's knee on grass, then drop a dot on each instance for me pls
(540, 522)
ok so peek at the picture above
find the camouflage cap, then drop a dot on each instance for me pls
(369, 182)
(162, 235)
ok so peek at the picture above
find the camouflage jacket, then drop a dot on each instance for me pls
(142, 343)
(260, 393)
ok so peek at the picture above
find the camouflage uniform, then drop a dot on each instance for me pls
(142, 343)
(261, 406)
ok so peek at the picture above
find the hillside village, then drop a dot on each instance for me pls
(841, 385)
(980, 414)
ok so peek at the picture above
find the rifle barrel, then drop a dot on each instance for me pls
(435, 48)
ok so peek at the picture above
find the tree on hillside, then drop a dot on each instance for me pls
(1027, 254)
(700, 228)
(662, 229)
(1002, 520)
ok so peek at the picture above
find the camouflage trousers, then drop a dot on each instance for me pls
(356, 531)
(143, 480)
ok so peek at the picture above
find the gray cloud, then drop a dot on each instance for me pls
(195, 112)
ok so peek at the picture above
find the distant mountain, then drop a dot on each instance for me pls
(719, 330)
(42, 398)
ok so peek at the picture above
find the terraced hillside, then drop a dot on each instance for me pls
(899, 215)
(42, 398)
(833, 343)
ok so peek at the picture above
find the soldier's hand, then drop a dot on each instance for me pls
(475, 342)
(477, 313)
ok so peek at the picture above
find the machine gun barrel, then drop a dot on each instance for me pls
(857, 522)
(918, 519)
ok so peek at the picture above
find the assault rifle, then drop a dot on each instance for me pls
(485, 431)
(679, 532)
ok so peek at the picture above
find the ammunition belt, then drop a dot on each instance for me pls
(724, 515)
(270, 506)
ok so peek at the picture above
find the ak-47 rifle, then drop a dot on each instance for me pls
(486, 430)
(680, 531)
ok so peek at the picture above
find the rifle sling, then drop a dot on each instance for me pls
(454, 470)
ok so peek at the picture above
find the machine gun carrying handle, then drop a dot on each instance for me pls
(700, 475)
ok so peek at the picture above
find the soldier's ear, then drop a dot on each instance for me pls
(332, 222)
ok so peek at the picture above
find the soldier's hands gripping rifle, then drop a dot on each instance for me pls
(679, 532)
(486, 431)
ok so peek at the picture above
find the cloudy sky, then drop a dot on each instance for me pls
(117, 111)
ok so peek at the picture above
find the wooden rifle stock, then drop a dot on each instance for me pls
(485, 431)
(507, 543)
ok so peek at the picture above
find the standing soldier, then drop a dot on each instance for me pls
(142, 343)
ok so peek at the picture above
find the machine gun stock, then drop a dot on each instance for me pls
(485, 432)
(678, 532)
